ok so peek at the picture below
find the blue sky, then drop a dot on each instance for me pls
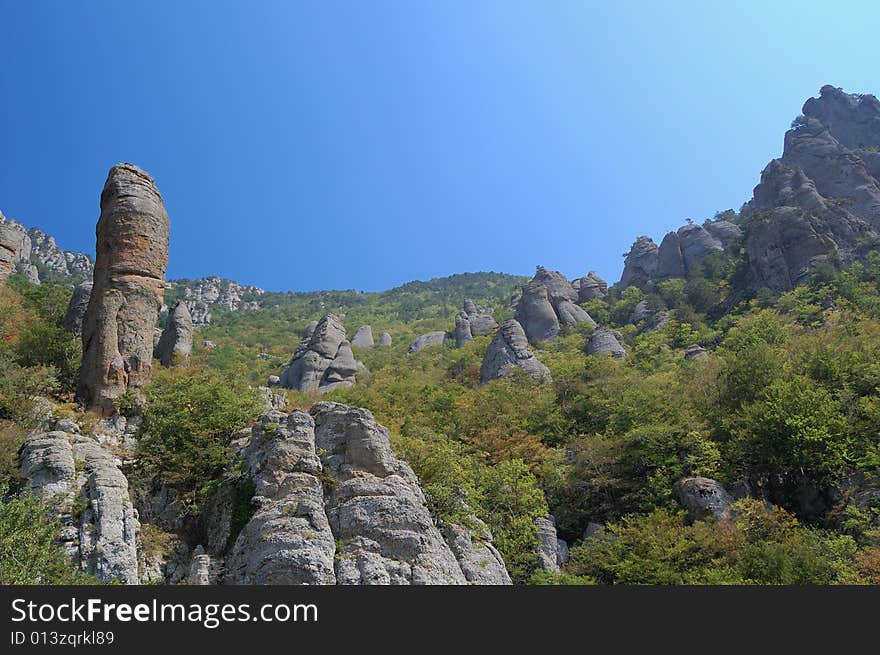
(320, 145)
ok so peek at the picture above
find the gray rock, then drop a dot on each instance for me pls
(9, 247)
(323, 361)
(377, 511)
(695, 351)
(703, 498)
(363, 338)
(274, 381)
(207, 344)
(648, 316)
(547, 302)
(480, 318)
(129, 281)
(641, 263)
(76, 309)
(480, 561)
(550, 556)
(604, 340)
(508, 352)
(436, 338)
(175, 345)
(590, 287)
(309, 329)
(723, 231)
(385, 339)
(463, 333)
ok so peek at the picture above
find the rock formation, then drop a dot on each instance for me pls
(436, 338)
(508, 352)
(385, 339)
(480, 318)
(99, 524)
(9, 245)
(648, 316)
(552, 551)
(604, 340)
(175, 345)
(703, 498)
(323, 361)
(129, 281)
(695, 351)
(548, 301)
(590, 286)
(35, 245)
(640, 263)
(819, 202)
(363, 337)
(462, 331)
(76, 309)
(203, 294)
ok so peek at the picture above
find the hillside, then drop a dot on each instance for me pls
(711, 418)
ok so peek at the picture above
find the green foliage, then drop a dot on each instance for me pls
(29, 553)
(188, 422)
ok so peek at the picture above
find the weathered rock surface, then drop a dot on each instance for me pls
(76, 309)
(590, 286)
(703, 498)
(203, 294)
(99, 523)
(508, 352)
(480, 318)
(480, 561)
(9, 245)
(463, 332)
(552, 551)
(129, 282)
(819, 202)
(695, 351)
(385, 339)
(548, 301)
(604, 340)
(377, 511)
(648, 316)
(34, 244)
(175, 344)
(640, 263)
(288, 540)
(363, 337)
(436, 338)
(323, 361)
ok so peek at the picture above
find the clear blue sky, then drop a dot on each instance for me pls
(319, 145)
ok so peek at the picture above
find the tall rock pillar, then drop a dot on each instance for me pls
(129, 284)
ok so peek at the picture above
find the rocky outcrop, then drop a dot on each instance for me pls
(695, 351)
(363, 337)
(480, 561)
(649, 316)
(480, 318)
(99, 523)
(552, 551)
(509, 352)
(288, 540)
(604, 340)
(703, 498)
(35, 245)
(640, 263)
(462, 331)
(376, 509)
(9, 246)
(436, 338)
(323, 361)
(548, 302)
(309, 329)
(175, 345)
(819, 202)
(590, 287)
(203, 294)
(384, 339)
(129, 282)
(76, 309)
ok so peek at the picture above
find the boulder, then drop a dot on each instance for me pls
(695, 351)
(703, 498)
(552, 551)
(323, 361)
(436, 338)
(590, 287)
(385, 340)
(175, 344)
(463, 333)
(604, 340)
(480, 318)
(76, 309)
(509, 351)
(129, 283)
(640, 263)
(363, 337)
(548, 301)
(480, 561)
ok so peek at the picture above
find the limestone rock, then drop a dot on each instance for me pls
(129, 281)
(480, 561)
(640, 263)
(508, 352)
(552, 551)
(590, 287)
(377, 511)
(436, 338)
(648, 316)
(480, 318)
(385, 339)
(323, 361)
(309, 329)
(604, 340)
(463, 333)
(702, 498)
(363, 337)
(9, 246)
(548, 302)
(175, 345)
(288, 540)
(76, 310)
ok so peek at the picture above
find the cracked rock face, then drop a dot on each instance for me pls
(99, 523)
(590, 286)
(508, 352)
(323, 361)
(548, 302)
(129, 283)
(552, 551)
(175, 344)
(641, 263)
